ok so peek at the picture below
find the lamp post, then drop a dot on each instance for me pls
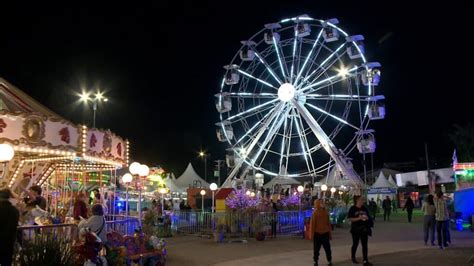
(98, 97)
(203, 193)
(203, 155)
(139, 170)
(162, 192)
(333, 189)
(213, 188)
(300, 190)
(126, 178)
(6, 154)
(324, 188)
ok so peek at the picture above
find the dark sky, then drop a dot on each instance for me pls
(161, 63)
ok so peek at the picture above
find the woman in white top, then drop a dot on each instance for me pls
(429, 222)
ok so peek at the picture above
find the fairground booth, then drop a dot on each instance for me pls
(464, 194)
(39, 147)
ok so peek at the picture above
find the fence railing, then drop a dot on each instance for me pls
(283, 222)
(66, 232)
(124, 226)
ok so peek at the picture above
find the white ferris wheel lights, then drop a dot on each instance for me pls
(286, 92)
(257, 79)
(342, 71)
(324, 187)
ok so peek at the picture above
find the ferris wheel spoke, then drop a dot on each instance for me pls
(257, 79)
(308, 149)
(340, 97)
(251, 95)
(303, 148)
(260, 111)
(283, 140)
(307, 58)
(295, 42)
(267, 66)
(330, 80)
(259, 123)
(253, 109)
(271, 131)
(324, 62)
(333, 116)
(280, 58)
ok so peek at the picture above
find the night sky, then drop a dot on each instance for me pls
(160, 64)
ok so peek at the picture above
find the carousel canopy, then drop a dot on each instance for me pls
(281, 181)
(171, 184)
(46, 144)
(190, 179)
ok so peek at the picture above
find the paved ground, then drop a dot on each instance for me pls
(394, 243)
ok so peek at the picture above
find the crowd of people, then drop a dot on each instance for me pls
(362, 218)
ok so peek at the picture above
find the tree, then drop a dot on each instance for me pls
(463, 139)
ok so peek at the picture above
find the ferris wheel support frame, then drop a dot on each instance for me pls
(328, 145)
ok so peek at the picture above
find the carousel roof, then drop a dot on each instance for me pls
(281, 181)
(189, 178)
(13, 99)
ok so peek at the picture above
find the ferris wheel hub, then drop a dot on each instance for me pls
(286, 92)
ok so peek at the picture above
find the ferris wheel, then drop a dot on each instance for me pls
(296, 99)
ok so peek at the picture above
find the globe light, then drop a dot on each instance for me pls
(333, 189)
(340, 192)
(127, 178)
(213, 186)
(162, 190)
(324, 187)
(252, 194)
(6, 152)
(286, 92)
(300, 189)
(143, 170)
(248, 193)
(134, 168)
(203, 192)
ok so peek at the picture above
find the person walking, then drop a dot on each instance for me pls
(274, 216)
(440, 216)
(10, 216)
(321, 231)
(429, 221)
(373, 208)
(394, 205)
(360, 229)
(409, 206)
(387, 207)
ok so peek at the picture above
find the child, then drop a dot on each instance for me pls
(321, 230)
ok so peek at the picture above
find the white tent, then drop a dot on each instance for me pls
(392, 181)
(381, 182)
(282, 181)
(171, 184)
(190, 179)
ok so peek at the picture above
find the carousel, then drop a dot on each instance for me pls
(38, 147)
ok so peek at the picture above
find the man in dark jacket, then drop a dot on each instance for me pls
(10, 216)
(387, 207)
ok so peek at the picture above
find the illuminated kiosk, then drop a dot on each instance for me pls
(51, 150)
(464, 194)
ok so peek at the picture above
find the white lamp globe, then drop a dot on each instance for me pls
(248, 193)
(300, 189)
(162, 190)
(324, 187)
(134, 168)
(252, 194)
(203, 192)
(333, 189)
(213, 186)
(6, 152)
(143, 170)
(127, 178)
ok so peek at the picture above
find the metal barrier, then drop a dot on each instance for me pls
(190, 222)
(125, 226)
(67, 232)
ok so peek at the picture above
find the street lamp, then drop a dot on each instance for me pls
(324, 188)
(203, 193)
(300, 190)
(203, 155)
(98, 97)
(162, 191)
(213, 188)
(126, 178)
(333, 189)
(6, 154)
